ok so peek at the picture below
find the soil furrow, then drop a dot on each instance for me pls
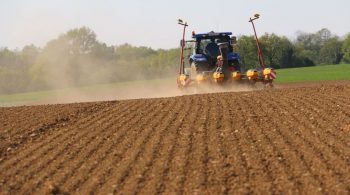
(292, 140)
(313, 158)
(86, 150)
(259, 172)
(116, 151)
(309, 135)
(323, 121)
(195, 176)
(271, 155)
(31, 134)
(116, 136)
(218, 157)
(177, 164)
(139, 170)
(56, 158)
(166, 131)
(152, 182)
(58, 135)
(232, 121)
(118, 177)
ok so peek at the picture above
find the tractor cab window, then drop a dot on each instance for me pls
(210, 46)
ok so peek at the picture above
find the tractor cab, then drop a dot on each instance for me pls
(207, 48)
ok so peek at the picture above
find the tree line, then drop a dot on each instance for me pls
(309, 49)
(77, 58)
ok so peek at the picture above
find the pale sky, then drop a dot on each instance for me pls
(153, 23)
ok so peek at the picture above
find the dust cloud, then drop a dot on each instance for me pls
(76, 67)
(139, 90)
(140, 84)
(92, 79)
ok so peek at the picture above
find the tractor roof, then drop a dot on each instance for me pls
(211, 34)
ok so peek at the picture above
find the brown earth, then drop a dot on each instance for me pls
(283, 141)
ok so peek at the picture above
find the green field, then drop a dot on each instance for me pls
(292, 75)
(315, 73)
(87, 92)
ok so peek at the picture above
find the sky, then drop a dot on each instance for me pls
(153, 23)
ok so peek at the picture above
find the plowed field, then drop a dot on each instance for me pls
(291, 140)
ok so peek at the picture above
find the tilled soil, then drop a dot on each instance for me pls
(281, 141)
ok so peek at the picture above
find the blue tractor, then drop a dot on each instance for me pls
(209, 49)
(214, 61)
